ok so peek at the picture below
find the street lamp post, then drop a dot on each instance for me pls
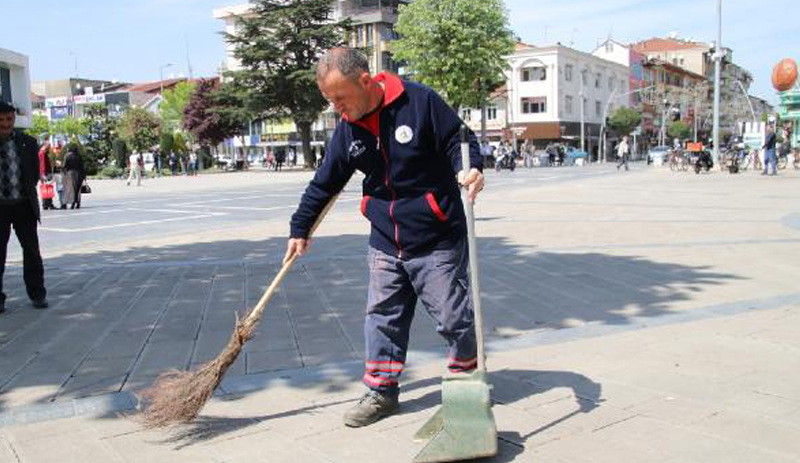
(161, 75)
(718, 54)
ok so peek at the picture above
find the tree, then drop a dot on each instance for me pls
(140, 129)
(39, 126)
(623, 120)
(100, 137)
(200, 119)
(457, 47)
(166, 143)
(173, 104)
(278, 44)
(680, 130)
(71, 127)
(233, 104)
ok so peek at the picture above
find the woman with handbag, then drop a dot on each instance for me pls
(73, 178)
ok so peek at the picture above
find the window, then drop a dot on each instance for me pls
(533, 74)
(568, 72)
(359, 35)
(466, 114)
(370, 31)
(534, 105)
(609, 47)
(568, 101)
(597, 108)
(5, 85)
(610, 83)
(491, 112)
(597, 78)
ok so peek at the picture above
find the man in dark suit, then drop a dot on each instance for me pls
(19, 204)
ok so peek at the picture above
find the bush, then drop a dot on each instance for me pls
(111, 172)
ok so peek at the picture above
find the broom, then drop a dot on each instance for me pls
(178, 396)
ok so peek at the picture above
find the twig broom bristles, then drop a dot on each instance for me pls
(178, 396)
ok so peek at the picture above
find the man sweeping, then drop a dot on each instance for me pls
(405, 139)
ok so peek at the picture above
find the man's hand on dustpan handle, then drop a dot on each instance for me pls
(472, 180)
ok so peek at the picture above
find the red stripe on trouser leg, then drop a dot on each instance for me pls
(378, 380)
(462, 365)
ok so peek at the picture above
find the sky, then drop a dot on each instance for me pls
(130, 40)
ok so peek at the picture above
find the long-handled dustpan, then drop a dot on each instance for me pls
(463, 427)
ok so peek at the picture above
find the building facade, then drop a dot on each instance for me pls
(15, 85)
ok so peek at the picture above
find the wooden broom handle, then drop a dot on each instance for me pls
(255, 314)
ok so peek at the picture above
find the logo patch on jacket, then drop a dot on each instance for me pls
(403, 134)
(357, 148)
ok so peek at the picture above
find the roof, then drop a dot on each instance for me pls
(155, 87)
(657, 44)
(671, 67)
(523, 46)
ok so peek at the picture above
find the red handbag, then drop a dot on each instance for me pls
(46, 191)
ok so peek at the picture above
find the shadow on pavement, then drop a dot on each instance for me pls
(118, 318)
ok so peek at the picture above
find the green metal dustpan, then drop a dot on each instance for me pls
(463, 427)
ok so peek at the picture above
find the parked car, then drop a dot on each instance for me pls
(658, 155)
(224, 162)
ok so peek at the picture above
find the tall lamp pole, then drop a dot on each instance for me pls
(161, 75)
(718, 54)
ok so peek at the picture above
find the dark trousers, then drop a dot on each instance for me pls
(21, 217)
(440, 281)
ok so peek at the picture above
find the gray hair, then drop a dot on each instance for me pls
(349, 61)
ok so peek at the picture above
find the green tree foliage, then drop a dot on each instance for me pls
(624, 120)
(40, 126)
(232, 104)
(278, 45)
(457, 47)
(179, 144)
(71, 127)
(99, 147)
(166, 143)
(680, 130)
(140, 129)
(174, 103)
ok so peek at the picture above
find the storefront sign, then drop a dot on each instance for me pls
(90, 99)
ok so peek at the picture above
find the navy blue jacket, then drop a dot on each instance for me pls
(411, 196)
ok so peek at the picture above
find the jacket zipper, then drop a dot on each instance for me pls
(394, 198)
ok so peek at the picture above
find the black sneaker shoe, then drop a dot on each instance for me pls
(371, 407)
(40, 303)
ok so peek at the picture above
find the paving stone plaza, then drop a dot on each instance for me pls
(642, 316)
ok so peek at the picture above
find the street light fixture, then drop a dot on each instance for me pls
(161, 74)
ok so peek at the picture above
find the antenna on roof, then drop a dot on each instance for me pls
(188, 61)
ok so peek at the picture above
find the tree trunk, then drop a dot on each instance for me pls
(304, 127)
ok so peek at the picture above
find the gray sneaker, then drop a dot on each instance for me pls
(371, 407)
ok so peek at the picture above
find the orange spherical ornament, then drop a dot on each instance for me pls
(784, 75)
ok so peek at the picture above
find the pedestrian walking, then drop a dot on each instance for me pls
(527, 153)
(46, 188)
(19, 205)
(74, 175)
(135, 168)
(405, 139)
(280, 158)
(192, 163)
(769, 152)
(623, 151)
(173, 164)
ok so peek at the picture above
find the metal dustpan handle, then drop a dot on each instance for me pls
(473, 252)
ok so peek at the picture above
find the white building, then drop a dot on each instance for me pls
(15, 85)
(543, 95)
